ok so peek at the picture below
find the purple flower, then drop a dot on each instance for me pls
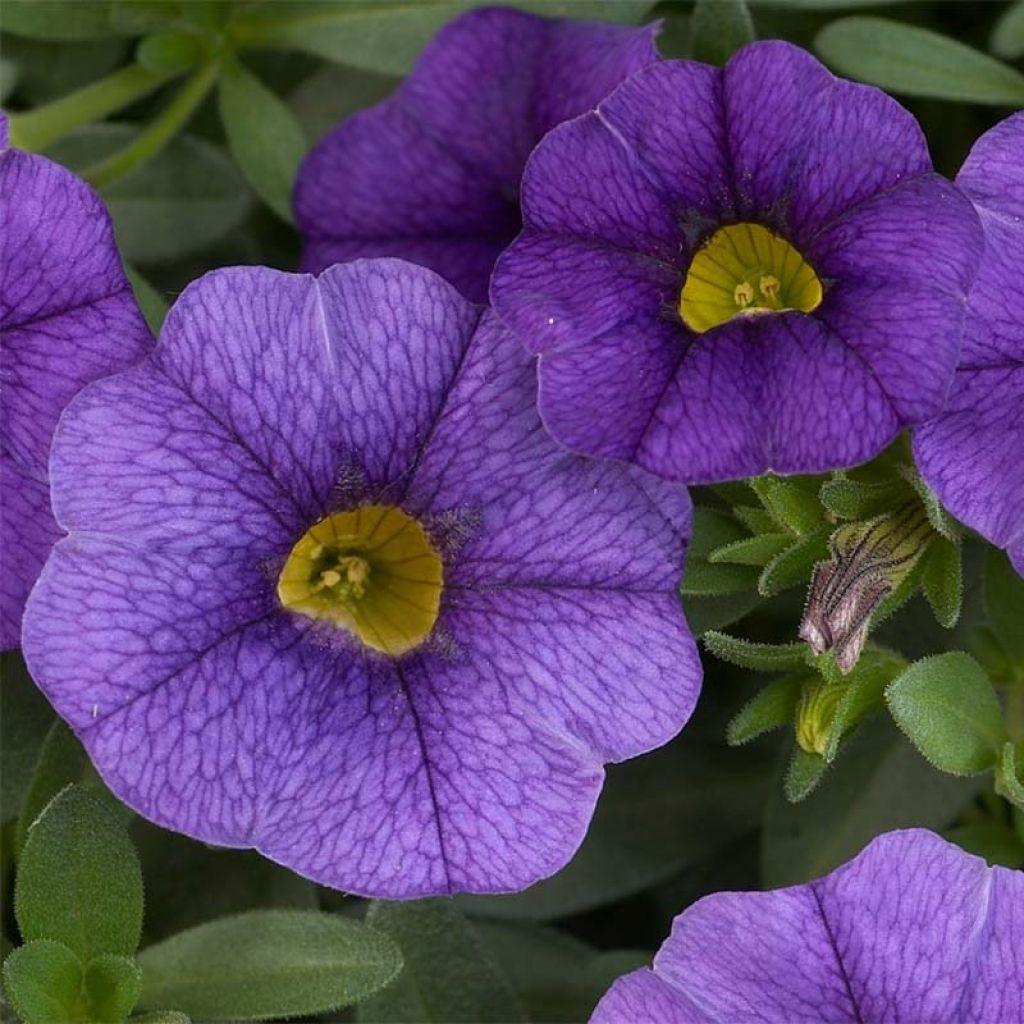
(732, 271)
(432, 174)
(971, 454)
(331, 591)
(913, 929)
(68, 316)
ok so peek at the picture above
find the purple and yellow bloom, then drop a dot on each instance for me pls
(331, 591)
(731, 271)
(432, 174)
(972, 454)
(68, 316)
(913, 929)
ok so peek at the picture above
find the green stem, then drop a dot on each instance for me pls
(39, 128)
(146, 146)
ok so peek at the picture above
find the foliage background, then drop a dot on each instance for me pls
(694, 817)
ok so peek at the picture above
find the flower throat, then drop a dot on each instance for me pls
(743, 270)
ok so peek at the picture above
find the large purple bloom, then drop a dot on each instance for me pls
(732, 271)
(432, 174)
(973, 453)
(342, 444)
(913, 929)
(67, 316)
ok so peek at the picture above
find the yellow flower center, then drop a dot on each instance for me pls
(745, 269)
(371, 571)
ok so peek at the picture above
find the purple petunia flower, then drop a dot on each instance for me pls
(913, 929)
(972, 454)
(432, 174)
(68, 316)
(332, 592)
(732, 271)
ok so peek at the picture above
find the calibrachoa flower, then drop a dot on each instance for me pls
(913, 929)
(332, 592)
(68, 316)
(432, 174)
(973, 453)
(732, 271)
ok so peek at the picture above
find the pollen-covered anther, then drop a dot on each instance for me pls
(746, 269)
(371, 571)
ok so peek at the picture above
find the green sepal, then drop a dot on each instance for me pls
(43, 980)
(861, 499)
(756, 551)
(793, 565)
(792, 502)
(942, 580)
(1008, 778)
(760, 657)
(803, 773)
(771, 708)
(947, 707)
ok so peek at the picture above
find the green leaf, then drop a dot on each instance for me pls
(993, 840)
(161, 1017)
(755, 519)
(169, 52)
(752, 550)
(43, 980)
(59, 20)
(1004, 602)
(62, 760)
(861, 499)
(657, 815)
(151, 302)
(879, 784)
(942, 580)
(1010, 782)
(328, 96)
(79, 880)
(794, 565)
(803, 774)
(263, 135)
(773, 706)
(267, 964)
(940, 520)
(112, 986)
(917, 62)
(949, 710)
(760, 657)
(710, 611)
(713, 529)
(448, 975)
(1008, 35)
(25, 719)
(558, 978)
(720, 28)
(791, 501)
(187, 198)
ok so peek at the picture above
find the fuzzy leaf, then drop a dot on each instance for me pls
(755, 519)
(706, 579)
(756, 551)
(791, 503)
(803, 774)
(949, 710)
(917, 62)
(43, 980)
(1010, 782)
(760, 657)
(772, 707)
(861, 499)
(864, 692)
(942, 580)
(112, 986)
(79, 880)
(793, 566)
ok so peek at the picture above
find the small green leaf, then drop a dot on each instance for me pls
(1004, 602)
(941, 521)
(169, 52)
(803, 774)
(59, 20)
(719, 28)
(448, 974)
(712, 529)
(791, 502)
(716, 611)
(112, 986)
(151, 302)
(793, 566)
(267, 964)
(79, 880)
(772, 707)
(942, 580)
(752, 550)
(949, 710)
(706, 579)
(1010, 782)
(263, 135)
(760, 657)
(43, 980)
(917, 62)
(1008, 35)
(861, 499)
(755, 519)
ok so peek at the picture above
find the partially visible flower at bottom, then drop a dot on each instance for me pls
(68, 317)
(972, 454)
(912, 929)
(330, 590)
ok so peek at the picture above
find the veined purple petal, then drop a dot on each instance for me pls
(473, 761)
(913, 929)
(68, 317)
